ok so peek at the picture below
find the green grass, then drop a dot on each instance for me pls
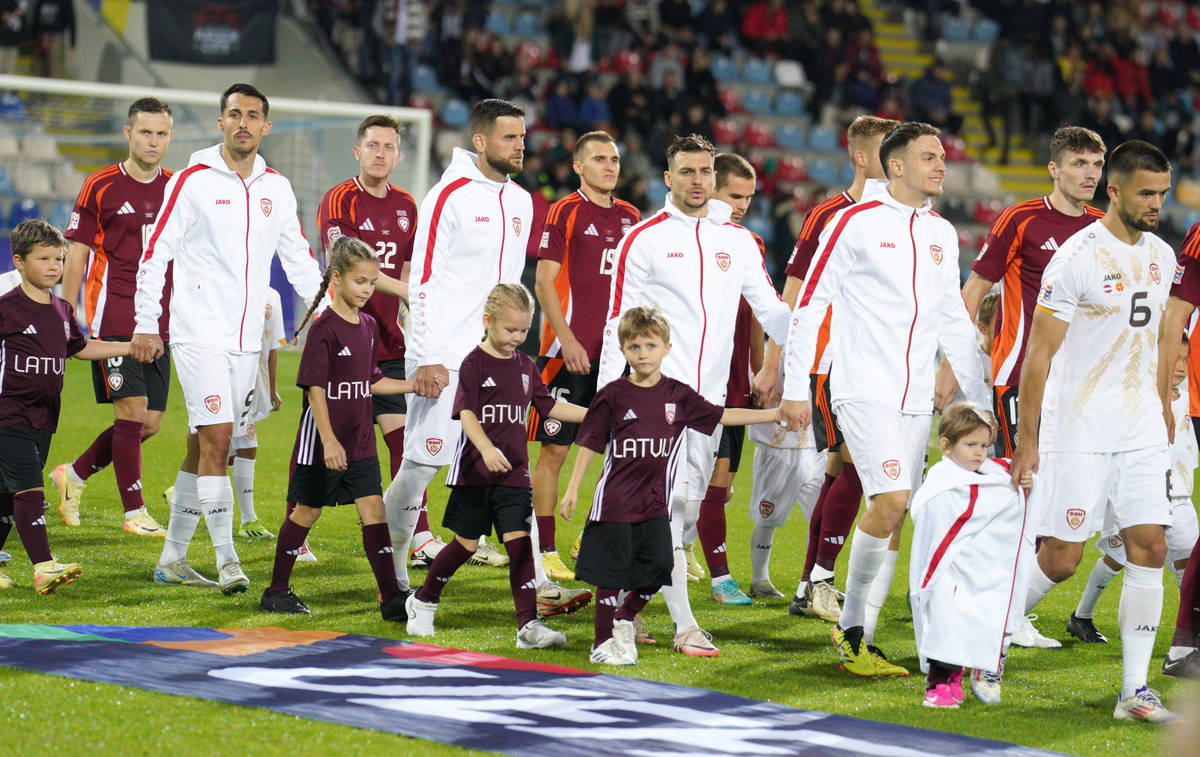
(1059, 700)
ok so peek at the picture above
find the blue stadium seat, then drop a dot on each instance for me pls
(24, 210)
(789, 104)
(760, 225)
(455, 114)
(723, 69)
(956, 29)
(985, 31)
(425, 80)
(756, 71)
(498, 22)
(757, 102)
(823, 139)
(6, 185)
(12, 108)
(824, 171)
(790, 137)
(847, 172)
(528, 24)
(61, 214)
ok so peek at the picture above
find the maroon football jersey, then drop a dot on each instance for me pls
(339, 357)
(583, 236)
(35, 341)
(114, 215)
(737, 391)
(642, 427)
(810, 234)
(498, 391)
(1186, 285)
(1017, 249)
(385, 223)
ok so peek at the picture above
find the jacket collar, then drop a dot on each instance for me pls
(464, 165)
(877, 190)
(718, 212)
(211, 157)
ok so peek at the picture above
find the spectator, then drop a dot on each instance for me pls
(670, 58)
(716, 26)
(932, 101)
(861, 53)
(12, 24)
(641, 16)
(451, 35)
(765, 26)
(1101, 121)
(676, 16)
(53, 31)
(594, 112)
(669, 100)
(560, 106)
(402, 25)
(701, 85)
(632, 103)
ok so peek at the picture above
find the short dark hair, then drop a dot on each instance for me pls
(729, 164)
(34, 233)
(1135, 155)
(485, 112)
(689, 143)
(899, 138)
(249, 90)
(148, 105)
(383, 121)
(592, 136)
(1074, 139)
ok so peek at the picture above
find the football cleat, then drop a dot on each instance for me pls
(283, 602)
(1144, 705)
(555, 568)
(487, 554)
(765, 590)
(5, 559)
(179, 573)
(553, 599)
(860, 658)
(941, 696)
(6, 581)
(423, 556)
(1085, 630)
(822, 601)
(231, 578)
(69, 494)
(607, 654)
(985, 686)
(695, 571)
(394, 610)
(625, 635)
(1187, 666)
(1028, 636)
(799, 604)
(535, 635)
(728, 592)
(640, 634)
(305, 554)
(420, 616)
(254, 529)
(49, 575)
(575, 547)
(143, 524)
(695, 642)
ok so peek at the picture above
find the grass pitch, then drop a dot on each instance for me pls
(1053, 699)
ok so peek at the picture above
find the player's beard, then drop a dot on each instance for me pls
(505, 167)
(1136, 222)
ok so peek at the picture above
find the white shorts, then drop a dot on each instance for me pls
(888, 446)
(430, 433)
(248, 440)
(1077, 494)
(701, 460)
(218, 386)
(1181, 534)
(783, 477)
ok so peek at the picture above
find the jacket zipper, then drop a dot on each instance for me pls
(916, 309)
(703, 310)
(503, 234)
(246, 274)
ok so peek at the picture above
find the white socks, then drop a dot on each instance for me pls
(1039, 586)
(866, 555)
(215, 495)
(185, 515)
(539, 570)
(878, 594)
(820, 574)
(1097, 581)
(676, 595)
(1138, 617)
(402, 503)
(243, 486)
(760, 552)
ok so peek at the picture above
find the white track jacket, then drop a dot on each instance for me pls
(471, 235)
(696, 271)
(892, 272)
(222, 232)
(968, 572)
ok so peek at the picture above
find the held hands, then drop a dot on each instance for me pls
(1024, 465)
(430, 380)
(495, 460)
(1027, 480)
(575, 358)
(1169, 419)
(146, 348)
(566, 508)
(944, 388)
(276, 400)
(795, 414)
(764, 387)
(335, 454)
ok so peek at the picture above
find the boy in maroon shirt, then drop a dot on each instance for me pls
(626, 543)
(37, 334)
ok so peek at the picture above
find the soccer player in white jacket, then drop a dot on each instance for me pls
(224, 218)
(694, 265)
(893, 265)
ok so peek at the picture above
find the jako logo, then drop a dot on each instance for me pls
(224, 202)
(481, 219)
(674, 255)
(888, 245)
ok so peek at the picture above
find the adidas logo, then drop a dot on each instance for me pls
(488, 382)
(530, 585)
(126, 209)
(293, 552)
(836, 540)
(137, 486)
(39, 522)
(630, 415)
(719, 550)
(385, 551)
(366, 225)
(29, 329)
(440, 579)
(345, 352)
(1050, 245)
(609, 601)
(591, 231)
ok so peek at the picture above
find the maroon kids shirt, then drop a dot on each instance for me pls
(35, 341)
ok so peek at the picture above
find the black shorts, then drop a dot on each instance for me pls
(23, 454)
(1005, 408)
(625, 555)
(733, 438)
(389, 404)
(1196, 428)
(119, 377)
(825, 427)
(317, 486)
(472, 511)
(565, 386)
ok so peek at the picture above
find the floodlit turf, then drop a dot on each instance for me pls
(1053, 699)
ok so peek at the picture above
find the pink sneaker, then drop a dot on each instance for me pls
(941, 696)
(955, 684)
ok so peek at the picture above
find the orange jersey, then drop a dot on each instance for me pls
(801, 258)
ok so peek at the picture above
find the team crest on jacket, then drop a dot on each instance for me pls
(765, 508)
(434, 445)
(525, 383)
(552, 426)
(213, 403)
(892, 469)
(1075, 518)
(1155, 276)
(265, 204)
(936, 253)
(723, 261)
(669, 411)
(516, 226)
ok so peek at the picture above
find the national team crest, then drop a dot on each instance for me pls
(525, 383)
(116, 381)
(669, 410)
(765, 508)
(516, 226)
(213, 403)
(1114, 542)
(892, 469)
(935, 252)
(249, 431)
(552, 426)
(1155, 276)
(723, 261)
(1075, 517)
(402, 222)
(265, 204)
(67, 330)
(434, 445)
